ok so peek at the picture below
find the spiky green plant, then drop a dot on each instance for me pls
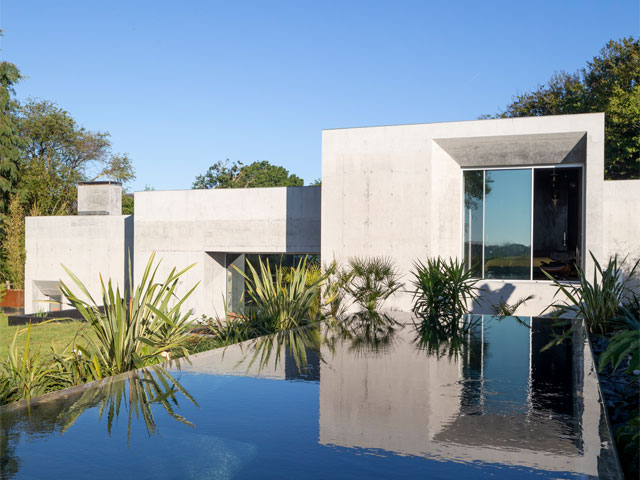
(370, 281)
(624, 345)
(135, 329)
(443, 289)
(135, 394)
(598, 301)
(278, 303)
(25, 373)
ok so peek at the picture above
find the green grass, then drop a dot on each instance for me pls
(60, 333)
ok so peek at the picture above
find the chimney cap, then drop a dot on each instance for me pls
(104, 182)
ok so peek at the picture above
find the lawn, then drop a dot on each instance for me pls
(60, 333)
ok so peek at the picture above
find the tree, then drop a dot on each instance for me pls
(239, 175)
(9, 137)
(57, 154)
(610, 83)
(13, 247)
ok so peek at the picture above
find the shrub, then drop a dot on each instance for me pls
(597, 302)
(370, 281)
(443, 289)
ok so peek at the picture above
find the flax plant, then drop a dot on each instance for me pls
(24, 374)
(598, 301)
(134, 329)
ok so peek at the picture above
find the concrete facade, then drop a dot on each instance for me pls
(394, 191)
(397, 191)
(89, 246)
(200, 227)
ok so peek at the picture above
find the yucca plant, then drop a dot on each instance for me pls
(443, 289)
(135, 329)
(370, 281)
(598, 301)
(280, 303)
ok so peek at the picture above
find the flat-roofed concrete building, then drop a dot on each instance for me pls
(512, 198)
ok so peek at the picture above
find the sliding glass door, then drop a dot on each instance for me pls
(522, 223)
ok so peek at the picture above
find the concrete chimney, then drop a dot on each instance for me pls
(100, 198)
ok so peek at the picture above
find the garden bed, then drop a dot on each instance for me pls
(621, 395)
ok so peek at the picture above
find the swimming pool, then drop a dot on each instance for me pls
(362, 398)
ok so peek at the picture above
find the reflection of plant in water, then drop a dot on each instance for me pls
(136, 393)
(366, 332)
(297, 342)
(444, 338)
(503, 309)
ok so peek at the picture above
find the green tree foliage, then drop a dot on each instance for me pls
(58, 153)
(239, 175)
(13, 253)
(9, 138)
(610, 83)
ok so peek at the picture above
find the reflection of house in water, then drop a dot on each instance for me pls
(501, 400)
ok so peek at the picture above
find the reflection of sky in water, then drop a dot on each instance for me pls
(508, 207)
(506, 366)
(393, 413)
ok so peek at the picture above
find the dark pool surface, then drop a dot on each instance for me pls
(368, 398)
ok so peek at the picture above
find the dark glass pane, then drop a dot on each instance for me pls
(507, 224)
(473, 205)
(235, 282)
(557, 223)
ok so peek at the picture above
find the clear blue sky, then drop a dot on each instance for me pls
(180, 85)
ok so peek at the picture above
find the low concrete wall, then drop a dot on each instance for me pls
(89, 246)
(198, 227)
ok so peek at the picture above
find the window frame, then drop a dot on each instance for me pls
(533, 168)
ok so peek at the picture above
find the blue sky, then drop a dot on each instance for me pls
(181, 85)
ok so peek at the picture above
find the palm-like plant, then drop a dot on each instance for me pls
(131, 330)
(370, 281)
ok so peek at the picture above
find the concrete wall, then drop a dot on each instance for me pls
(397, 190)
(621, 218)
(89, 246)
(198, 227)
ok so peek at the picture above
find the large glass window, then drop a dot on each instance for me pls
(500, 209)
(507, 224)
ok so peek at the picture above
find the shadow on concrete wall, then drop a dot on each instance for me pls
(487, 298)
(128, 251)
(303, 219)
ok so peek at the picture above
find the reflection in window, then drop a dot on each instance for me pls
(507, 230)
(473, 206)
(500, 207)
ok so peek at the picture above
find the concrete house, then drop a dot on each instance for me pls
(512, 198)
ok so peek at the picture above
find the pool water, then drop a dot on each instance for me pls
(363, 398)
